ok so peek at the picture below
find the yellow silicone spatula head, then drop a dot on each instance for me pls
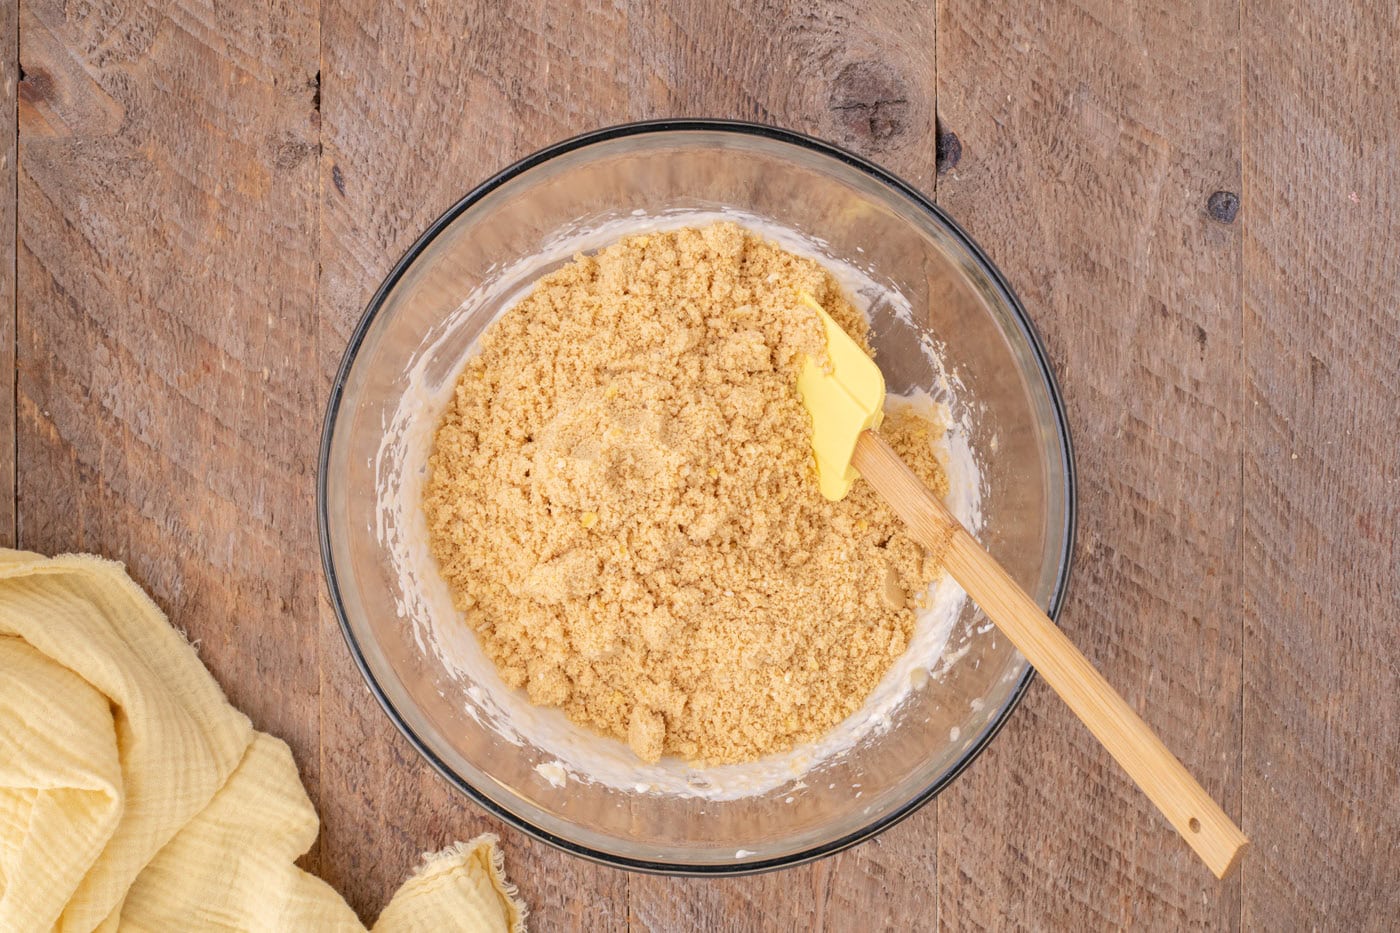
(844, 397)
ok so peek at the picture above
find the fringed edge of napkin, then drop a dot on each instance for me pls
(475, 870)
(496, 871)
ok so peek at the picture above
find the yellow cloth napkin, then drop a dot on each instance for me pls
(134, 797)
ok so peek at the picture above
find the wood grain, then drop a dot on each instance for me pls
(201, 199)
(861, 74)
(455, 93)
(166, 320)
(1091, 138)
(886, 884)
(9, 79)
(1322, 466)
(857, 72)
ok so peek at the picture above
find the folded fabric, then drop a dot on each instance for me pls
(134, 797)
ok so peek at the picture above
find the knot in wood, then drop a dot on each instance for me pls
(289, 152)
(871, 104)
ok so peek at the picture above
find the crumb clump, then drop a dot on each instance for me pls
(623, 503)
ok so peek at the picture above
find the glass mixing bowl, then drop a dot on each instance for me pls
(469, 265)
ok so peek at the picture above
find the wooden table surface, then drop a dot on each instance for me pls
(1197, 203)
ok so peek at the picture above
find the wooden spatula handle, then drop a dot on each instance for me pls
(1185, 804)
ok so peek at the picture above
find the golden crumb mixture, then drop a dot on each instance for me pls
(624, 504)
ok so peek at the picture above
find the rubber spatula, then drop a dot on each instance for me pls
(846, 399)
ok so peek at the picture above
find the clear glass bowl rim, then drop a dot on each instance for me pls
(739, 128)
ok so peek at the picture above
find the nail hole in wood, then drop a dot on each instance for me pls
(1222, 206)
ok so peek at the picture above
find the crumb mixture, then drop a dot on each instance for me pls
(623, 502)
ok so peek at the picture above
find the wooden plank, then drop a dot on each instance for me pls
(454, 94)
(887, 883)
(857, 72)
(167, 396)
(860, 74)
(1321, 471)
(9, 79)
(1091, 138)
